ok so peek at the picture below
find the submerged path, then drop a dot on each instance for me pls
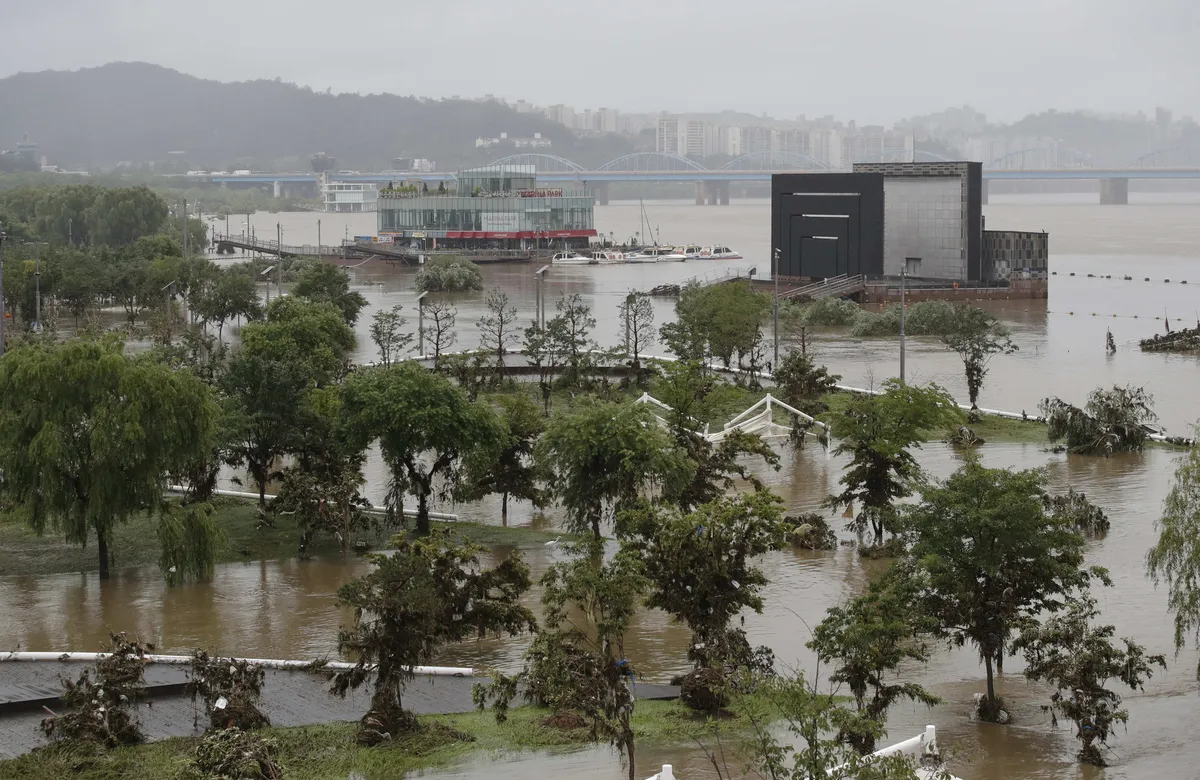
(289, 698)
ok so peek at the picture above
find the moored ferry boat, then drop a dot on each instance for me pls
(608, 257)
(656, 254)
(571, 258)
(719, 252)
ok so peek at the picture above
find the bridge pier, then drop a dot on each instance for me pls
(600, 192)
(1114, 192)
(712, 193)
(723, 193)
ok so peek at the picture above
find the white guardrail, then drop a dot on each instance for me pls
(266, 663)
(918, 747)
(372, 509)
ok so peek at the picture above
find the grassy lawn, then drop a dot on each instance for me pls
(992, 429)
(136, 543)
(328, 752)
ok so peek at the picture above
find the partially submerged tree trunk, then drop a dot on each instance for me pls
(102, 546)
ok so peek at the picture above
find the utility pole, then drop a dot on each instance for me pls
(541, 299)
(775, 278)
(629, 299)
(70, 232)
(319, 252)
(903, 280)
(185, 227)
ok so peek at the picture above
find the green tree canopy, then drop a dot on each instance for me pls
(416, 600)
(326, 283)
(426, 427)
(988, 556)
(302, 332)
(601, 456)
(701, 567)
(510, 471)
(1175, 557)
(878, 432)
(866, 641)
(88, 435)
(1079, 659)
(977, 336)
(722, 322)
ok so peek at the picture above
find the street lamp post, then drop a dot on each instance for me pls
(903, 285)
(37, 293)
(541, 294)
(279, 265)
(319, 252)
(775, 279)
(266, 274)
(421, 324)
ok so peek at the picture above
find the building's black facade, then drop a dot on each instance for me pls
(927, 217)
(826, 224)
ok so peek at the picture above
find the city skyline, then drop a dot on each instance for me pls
(872, 61)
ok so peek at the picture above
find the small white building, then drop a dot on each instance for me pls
(348, 196)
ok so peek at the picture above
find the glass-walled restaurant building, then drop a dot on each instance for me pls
(498, 207)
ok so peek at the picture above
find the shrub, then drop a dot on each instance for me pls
(448, 274)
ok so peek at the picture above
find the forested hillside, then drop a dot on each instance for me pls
(97, 117)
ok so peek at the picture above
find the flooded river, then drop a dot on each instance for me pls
(287, 608)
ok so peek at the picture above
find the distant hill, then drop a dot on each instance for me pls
(97, 117)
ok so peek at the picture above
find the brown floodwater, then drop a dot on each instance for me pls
(288, 609)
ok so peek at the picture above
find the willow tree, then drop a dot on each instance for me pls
(1114, 420)
(1175, 558)
(88, 435)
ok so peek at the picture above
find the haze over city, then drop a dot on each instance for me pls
(869, 60)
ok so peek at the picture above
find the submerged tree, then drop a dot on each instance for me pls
(988, 556)
(803, 384)
(866, 641)
(389, 339)
(701, 571)
(426, 427)
(1077, 511)
(581, 673)
(600, 458)
(977, 336)
(1079, 659)
(103, 700)
(1114, 420)
(1175, 557)
(545, 353)
(637, 316)
(571, 328)
(327, 283)
(87, 434)
(417, 599)
(511, 470)
(440, 333)
(878, 431)
(497, 326)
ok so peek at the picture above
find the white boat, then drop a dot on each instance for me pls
(656, 254)
(571, 258)
(606, 257)
(692, 251)
(719, 252)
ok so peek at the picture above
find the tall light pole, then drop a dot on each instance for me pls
(279, 265)
(3, 236)
(185, 227)
(319, 252)
(37, 293)
(775, 279)
(541, 295)
(70, 232)
(266, 274)
(421, 324)
(903, 284)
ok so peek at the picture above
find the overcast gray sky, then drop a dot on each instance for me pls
(874, 60)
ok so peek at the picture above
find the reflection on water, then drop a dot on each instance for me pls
(288, 608)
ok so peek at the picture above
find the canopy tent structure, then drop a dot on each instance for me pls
(758, 419)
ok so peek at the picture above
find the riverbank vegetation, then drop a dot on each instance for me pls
(448, 274)
(662, 514)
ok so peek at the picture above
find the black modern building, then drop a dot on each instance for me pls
(879, 219)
